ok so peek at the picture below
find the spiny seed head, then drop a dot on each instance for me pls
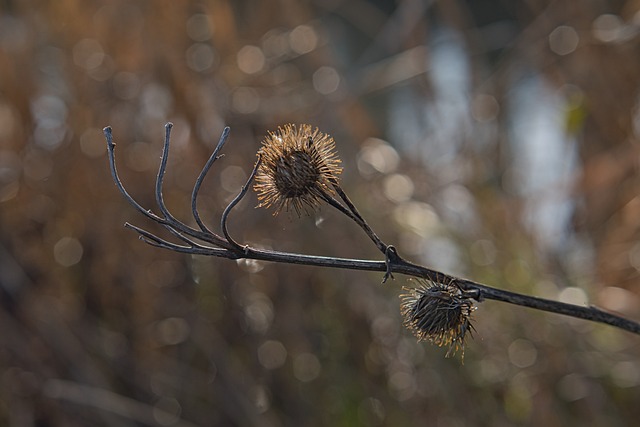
(298, 166)
(438, 312)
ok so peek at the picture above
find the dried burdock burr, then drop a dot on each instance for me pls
(439, 313)
(299, 169)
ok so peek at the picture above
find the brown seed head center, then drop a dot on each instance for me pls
(296, 174)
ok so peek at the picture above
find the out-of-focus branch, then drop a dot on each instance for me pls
(110, 402)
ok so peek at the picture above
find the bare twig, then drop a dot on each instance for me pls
(360, 220)
(196, 188)
(226, 247)
(235, 201)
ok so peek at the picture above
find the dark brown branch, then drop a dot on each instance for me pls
(235, 201)
(196, 187)
(226, 247)
(361, 222)
(354, 215)
(487, 292)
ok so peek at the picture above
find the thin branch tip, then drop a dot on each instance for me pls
(109, 136)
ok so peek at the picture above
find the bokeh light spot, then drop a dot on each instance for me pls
(626, 374)
(377, 156)
(272, 354)
(326, 80)
(88, 54)
(398, 188)
(573, 295)
(199, 27)
(50, 114)
(618, 299)
(275, 43)
(403, 385)
(484, 108)
(156, 100)
(200, 57)
(261, 399)
(303, 39)
(306, 367)
(67, 251)
(522, 353)
(418, 217)
(572, 387)
(607, 28)
(172, 331)
(258, 311)
(250, 59)
(563, 40)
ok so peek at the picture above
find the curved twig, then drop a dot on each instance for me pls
(360, 220)
(111, 146)
(196, 187)
(235, 201)
(161, 171)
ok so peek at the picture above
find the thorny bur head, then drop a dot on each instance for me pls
(438, 312)
(299, 167)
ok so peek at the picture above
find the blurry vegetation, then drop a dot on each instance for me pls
(490, 139)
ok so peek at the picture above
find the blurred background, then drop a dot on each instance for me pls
(490, 139)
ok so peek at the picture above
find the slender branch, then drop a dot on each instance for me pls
(196, 188)
(235, 201)
(487, 292)
(360, 220)
(116, 178)
(227, 247)
(480, 291)
(351, 212)
(161, 171)
(336, 204)
(591, 312)
(156, 241)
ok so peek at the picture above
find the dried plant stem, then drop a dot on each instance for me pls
(235, 201)
(360, 220)
(226, 247)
